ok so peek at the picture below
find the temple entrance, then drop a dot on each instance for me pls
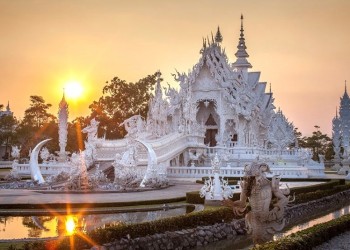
(210, 137)
(211, 131)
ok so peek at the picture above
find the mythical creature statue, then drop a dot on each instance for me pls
(134, 126)
(261, 221)
(91, 130)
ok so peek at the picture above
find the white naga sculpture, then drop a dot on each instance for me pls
(125, 166)
(35, 172)
(134, 126)
(266, 215)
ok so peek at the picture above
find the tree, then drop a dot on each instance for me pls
(120, 101)
(8, 125)
(37, 124)
(75, 140)
(319, 143)
(37, 114)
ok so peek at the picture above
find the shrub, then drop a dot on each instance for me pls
(311, 237)
(101, 236)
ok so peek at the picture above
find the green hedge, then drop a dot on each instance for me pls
(318, 194)
(91, 205)
(309, 238)
(322, 186)
(101, 236)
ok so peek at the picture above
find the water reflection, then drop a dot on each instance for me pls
(17, 227)
(243, 242)
(322, 219)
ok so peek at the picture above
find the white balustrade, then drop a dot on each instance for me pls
(46, 169)
(198, 172)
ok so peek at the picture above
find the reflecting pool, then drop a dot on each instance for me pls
(19, 227)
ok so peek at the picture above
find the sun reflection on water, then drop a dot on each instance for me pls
(70, 225)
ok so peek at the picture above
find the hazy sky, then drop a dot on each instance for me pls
(301, 47)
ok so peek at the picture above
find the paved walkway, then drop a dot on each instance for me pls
(17, 196)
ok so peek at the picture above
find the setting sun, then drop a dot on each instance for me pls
(73, 90)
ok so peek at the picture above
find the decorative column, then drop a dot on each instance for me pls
(336, 142)
(62, 129)
(215, 189)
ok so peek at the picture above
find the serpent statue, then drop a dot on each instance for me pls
(264, 210)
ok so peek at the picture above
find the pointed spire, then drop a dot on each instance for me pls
(63, 103)
(345, 96)
(345, 88)
(336, 112)
(218, 36)
(212, 38)
(241, 53)
(270, 89)
(8, 106)
(158, 87)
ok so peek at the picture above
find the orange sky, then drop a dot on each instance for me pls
(301, 47)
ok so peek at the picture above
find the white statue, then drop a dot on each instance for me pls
(91, 130)
(15, 152)
(134, 126)
(90, 144)
(44, 154)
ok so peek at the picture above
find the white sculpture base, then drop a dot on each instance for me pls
(215, 197)
(336, 167)
(345, 170)
(62, 156)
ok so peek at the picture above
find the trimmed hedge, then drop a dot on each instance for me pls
(309, 238)
(90, 205)
(322, 186)
(305, 197)
(101, 236)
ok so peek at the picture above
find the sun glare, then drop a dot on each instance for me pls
(73, 90)
(70, 225)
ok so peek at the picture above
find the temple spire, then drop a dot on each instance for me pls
(8, 106)
(218, 36)
(241, 54)
(345, 96)
(345, 88)
(336, 112)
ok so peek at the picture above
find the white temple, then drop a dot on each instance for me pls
(220, 107)
(341, 135)
(7, 111)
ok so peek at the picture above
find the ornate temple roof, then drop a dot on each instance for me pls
(7, 111)
(241, 54)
